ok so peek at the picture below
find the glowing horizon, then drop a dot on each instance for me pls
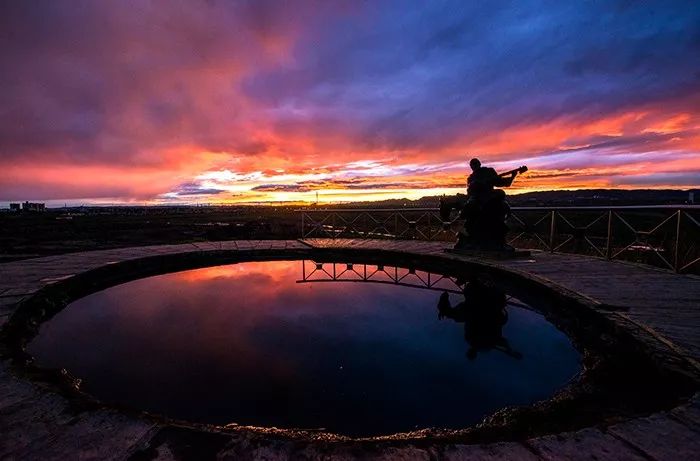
(240, 102)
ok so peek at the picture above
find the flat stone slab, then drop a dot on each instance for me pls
(490, 254)
(588, 444)
(104, 435)
(500, 451)
(660, 436)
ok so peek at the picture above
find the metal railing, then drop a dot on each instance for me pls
(662, 235)
(393, 223)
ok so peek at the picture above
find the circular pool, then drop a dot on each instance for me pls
(353, 349)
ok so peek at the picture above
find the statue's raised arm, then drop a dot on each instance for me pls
(506, 179)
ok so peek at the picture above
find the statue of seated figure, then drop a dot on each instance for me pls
(484, 209)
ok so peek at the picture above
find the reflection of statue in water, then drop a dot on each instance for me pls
(484, 208)
(484, 314)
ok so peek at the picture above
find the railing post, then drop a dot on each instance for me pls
(676, 262)
(608, 245)
(302, 225)
(552, 226)
(430, 228)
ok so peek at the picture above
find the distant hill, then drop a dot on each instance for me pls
(601, 197)
(585, 197)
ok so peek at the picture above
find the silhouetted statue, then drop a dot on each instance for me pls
(484, 209)
(484, 314)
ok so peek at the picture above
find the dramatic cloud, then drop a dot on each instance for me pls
(191, 188)
(262, 100)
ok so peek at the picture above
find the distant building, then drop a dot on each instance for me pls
(32, 206)
(15, 207)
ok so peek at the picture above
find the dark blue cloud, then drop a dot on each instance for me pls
(191, 188)
(689, 178)
(413, 76)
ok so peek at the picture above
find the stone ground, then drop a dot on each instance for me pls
(37, 423)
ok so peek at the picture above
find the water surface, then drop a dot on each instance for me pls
(247, 343)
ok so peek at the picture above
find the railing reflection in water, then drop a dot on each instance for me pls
(665, 236)
(315, 271)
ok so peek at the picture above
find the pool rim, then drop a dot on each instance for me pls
(42, 305)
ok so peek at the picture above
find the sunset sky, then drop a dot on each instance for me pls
(131, 101)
